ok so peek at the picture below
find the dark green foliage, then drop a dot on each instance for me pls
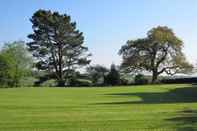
(80, 82)
(140, 79)
(113, 77)
(159, 52)
(48, 83)
(43, 77)
(97, 74)
(180, 80)
(57, 45)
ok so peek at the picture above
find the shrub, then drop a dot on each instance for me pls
(80, 82)
(49, 83)
(140, 79)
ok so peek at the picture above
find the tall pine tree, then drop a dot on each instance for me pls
(57, 45)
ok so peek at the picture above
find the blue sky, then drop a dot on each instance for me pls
(107, 24)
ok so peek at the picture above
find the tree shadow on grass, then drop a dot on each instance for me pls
(178, 95)
(186, 120)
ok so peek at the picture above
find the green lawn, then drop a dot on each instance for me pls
(135, 108)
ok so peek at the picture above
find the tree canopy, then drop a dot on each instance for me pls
(57, 45)
(159, 52)
(113, 77)
(15, 63)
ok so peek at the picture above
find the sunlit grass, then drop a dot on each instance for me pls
(140, 108)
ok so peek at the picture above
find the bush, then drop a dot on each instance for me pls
(80, 82)
(27, 81)
(179, 80)
(49, 83)
(113, 77)
(140, 79)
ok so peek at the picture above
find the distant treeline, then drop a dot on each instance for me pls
(180, 80)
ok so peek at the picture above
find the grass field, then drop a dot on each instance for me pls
(140, 108)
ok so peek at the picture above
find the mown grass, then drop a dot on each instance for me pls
(135, 108)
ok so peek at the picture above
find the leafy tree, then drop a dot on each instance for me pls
(15, 62)
(113, 77)
(159, 52)
(57, 45)
(5, 71)
(97, 74)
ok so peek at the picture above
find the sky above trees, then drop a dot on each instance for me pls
(107, 24)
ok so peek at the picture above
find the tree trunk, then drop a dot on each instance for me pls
(61, 82)
(154, 77)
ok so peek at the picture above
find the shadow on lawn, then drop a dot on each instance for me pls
(186, 120)
(178, 95)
